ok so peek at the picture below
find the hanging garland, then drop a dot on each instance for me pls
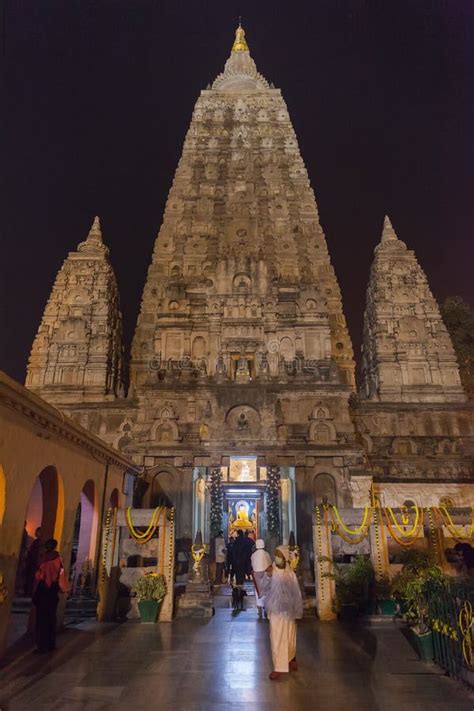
(458, 535)
(405, 538)
(410, 539)
(414, 529)
(273, 500)
(216, 502)
(145, 537)
(353, 531)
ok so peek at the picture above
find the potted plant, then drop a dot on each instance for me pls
(353, 582)
(150, 590)
(385, 604)
(409, 587)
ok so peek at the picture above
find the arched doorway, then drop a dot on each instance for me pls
(324, 489)
(84, 539)
(44, 519)
(163, 489)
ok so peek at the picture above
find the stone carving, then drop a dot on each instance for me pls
(407, 351)
(243, 422)
(241, 330)
(77, 353)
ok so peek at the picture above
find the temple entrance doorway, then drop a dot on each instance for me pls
(244, 498)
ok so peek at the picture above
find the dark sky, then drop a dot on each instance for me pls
(100, 94)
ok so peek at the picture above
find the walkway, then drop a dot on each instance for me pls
(189, 665)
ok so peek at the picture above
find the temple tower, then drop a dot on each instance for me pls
(241, 347)
(240, 263)
(407, 352)
(77, 353)
(411, 414)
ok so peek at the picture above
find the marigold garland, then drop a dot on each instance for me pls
(145, 537)
(414, 529)
(406, 544)
(353, 531)
(456, 534)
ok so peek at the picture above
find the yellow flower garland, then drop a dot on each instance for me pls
(456, 534)
(415, 528)
(353, 531)
(149, 533)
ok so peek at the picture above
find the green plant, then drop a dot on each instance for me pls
(151, 586)
(409, 588)
(353, 582)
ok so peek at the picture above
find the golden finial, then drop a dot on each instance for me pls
(240, 44)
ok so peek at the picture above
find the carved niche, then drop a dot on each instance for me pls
(165, 429)
(243, 422)
(321, 428)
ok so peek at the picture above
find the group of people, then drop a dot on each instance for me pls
(235, 559)
(42, 578)
(277, 591)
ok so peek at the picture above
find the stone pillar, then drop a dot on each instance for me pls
(378, 545)
(168, 531)
(325, 586)
(109, 571)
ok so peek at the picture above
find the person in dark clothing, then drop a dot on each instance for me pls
(32, 561)
(240, 558)
(46, 597)
(229, 567)
(249, 544)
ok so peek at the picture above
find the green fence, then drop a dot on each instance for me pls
(450, 605)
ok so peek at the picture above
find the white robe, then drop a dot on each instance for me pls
(282, 641)
(284, 604)
(260, 561)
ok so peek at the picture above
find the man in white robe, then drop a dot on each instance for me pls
(284, 605)
(260, 561)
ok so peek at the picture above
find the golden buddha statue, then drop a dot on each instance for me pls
(242, 518)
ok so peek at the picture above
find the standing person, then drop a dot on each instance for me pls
(249, 542)
(239, 558)
(229, 565)
(284, 605)
(220, 551)
(260, 561)
(46, 597)
(32, 561)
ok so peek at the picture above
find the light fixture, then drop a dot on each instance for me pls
(242, 491)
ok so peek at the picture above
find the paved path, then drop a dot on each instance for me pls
(189, 665)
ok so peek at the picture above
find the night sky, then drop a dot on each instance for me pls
(99, 96)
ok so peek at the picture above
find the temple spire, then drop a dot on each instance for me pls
(93, 241)
(240, 72)
(95, 232)
(388, 233)
(240, 43)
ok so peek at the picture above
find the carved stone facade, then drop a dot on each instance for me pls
(241, 345)
(77, 353)
(407, 355)
(412, 415)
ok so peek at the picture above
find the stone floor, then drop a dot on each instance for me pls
(189, 665)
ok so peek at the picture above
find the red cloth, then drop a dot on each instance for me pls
(48, 571)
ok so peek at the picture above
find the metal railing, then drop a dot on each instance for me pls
(450, 604)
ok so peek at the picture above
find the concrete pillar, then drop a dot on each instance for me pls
(378, 545)
(168, 531)
(109, 571)
(325, 586)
